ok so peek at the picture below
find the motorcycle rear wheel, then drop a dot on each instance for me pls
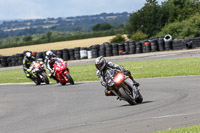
(127, 96)
(139, 98)
(71, 81)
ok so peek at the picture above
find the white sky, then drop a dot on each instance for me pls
(31, 9)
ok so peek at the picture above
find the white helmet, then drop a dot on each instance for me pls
(49, 54)
(100, 63)
(28, 54)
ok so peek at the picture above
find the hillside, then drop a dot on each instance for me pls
(79, 23)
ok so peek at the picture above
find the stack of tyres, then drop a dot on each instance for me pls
(39, 55)
(132, 47)
(154, 45)
(102, 50)
(161, 44)
(108, 49)
(66, 55)
(95, 51)
(127, 47)
(77, 53)
(146, 47)
(188, 43)
(177, 44)
(59, 53)
(115, 49)
(71, 54)
(121, 49)
(196, 42)
(9, 61)
(83, 53)
(139, 47)
(20, 59)
(168, 42)
(89, 53)
(4, 61)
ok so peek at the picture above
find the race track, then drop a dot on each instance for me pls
(82, 108)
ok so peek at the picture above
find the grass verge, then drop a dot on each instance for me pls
(139, 69)
(192, 129)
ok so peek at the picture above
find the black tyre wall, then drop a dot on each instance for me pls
(154, 45)
(102, 50)
(139, 47)
(115, 50)
(161, 44)
(121, 48)
(127, 47)
(77, 53)
(146, 47)
(108, 49)
(71, 54)
(178, 44)
(65, 55)
(95, 51)
(132, 47)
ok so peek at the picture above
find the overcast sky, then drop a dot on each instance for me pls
(31, 9)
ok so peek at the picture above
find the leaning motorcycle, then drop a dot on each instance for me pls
(38, 73)
(122, 86)
(62, 72)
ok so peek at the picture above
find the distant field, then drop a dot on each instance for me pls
(56, 45)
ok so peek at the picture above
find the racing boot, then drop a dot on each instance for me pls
(108, 92)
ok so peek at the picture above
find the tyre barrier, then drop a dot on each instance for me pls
(161, 44)
(154, 45)
(132, 47)
(102, 50)
(59, 53)
(83, 53)
(139, 47)
(196, 42)
(121, 48)
(168, 42)
(77, 53)
(89, 53)
(178, 44)
(115, 50)
(71, 54)
(95, 51)
(127, 47)
(66, 55)
(146, 47)
(108, 47)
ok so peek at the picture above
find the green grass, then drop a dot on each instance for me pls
(192, 129)
(139, 69)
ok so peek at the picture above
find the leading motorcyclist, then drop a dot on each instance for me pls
(50, 59)
(102, 65)
(28, 59)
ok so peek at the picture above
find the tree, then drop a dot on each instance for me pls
(27, 38)
(48, 34)
(118, 39)
(102, 27)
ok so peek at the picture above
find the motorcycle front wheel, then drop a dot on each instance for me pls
(46, 80)
(127, 96)
(71, 81)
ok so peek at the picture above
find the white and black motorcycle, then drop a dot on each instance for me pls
(123, 87)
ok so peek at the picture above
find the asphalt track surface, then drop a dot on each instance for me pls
(83, 108)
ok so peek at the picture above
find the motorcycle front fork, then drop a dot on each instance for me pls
(130, 83)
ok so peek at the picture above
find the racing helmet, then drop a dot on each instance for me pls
(49, 54)
(100, 63)
(28, 55)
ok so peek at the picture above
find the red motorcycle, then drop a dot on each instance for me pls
(62, 72)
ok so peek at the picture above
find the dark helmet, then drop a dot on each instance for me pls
(100, 63)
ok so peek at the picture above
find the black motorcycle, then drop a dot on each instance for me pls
(38, 73)
(122, 86)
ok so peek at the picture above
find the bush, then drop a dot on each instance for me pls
(188, 28)
(138, 36)
(118, 39)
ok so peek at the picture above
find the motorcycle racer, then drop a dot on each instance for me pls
(28, 59)
(102, 65)
(49, 61)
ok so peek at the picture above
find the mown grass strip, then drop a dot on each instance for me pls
(145, 69)
(192, 129)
